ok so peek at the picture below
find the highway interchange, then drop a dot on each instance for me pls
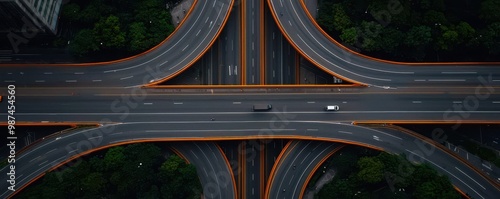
(130, 114)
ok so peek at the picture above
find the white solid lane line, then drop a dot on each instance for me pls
(47, 73)
(416, 102)
(178, 103)
(79, 73)
(123, 78)
(236, 102)
(457, 102)
(458, 72)
(470, 178)
(148, 103)
(447, 80)
(495, 102)
(445, 171)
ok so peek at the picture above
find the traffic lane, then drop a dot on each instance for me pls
(252, 169)
(211, 168)
(272, 150)
(253, 46)
(141, 102)
(163, 61)
(317, 46)
(109, 134)
(230, 43)
(292, 172)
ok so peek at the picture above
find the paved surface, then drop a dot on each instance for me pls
(296, 164)
(316, 46)
(214, 173)
(183, 48)
(51, 152)
(179, 11)
(253, 27)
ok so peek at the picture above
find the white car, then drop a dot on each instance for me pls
(332, 108)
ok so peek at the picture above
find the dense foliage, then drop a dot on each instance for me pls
(115, 27)
(416, 30)
(384, 176)
(132, 171)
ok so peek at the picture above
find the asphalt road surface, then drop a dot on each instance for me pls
(182, 49)
(50, 152)
(312, 44)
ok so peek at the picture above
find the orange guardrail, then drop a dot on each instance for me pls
(382, 60)
(119, 60)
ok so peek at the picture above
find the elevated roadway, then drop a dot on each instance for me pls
(314, 45)
(186, 45)
(214, 172)
(52, 152)
(297, 162)
(428, 106)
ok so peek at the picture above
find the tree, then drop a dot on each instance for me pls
(370, 170)
(83, 43)
(108, 33)
(448, 39)
(489, 10)
(465, 31)
(71, 12)
(340, 188)
(350, 36)
(433, 17)
(333, 17)
(418, 36)
(93, 184)
(93, 12)
(114, 158)
(137, 34)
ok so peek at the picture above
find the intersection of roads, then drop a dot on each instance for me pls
(279, 149)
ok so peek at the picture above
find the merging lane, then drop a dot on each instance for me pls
(311, 43)
(214, 173)
(295, 166)
(51, 152)
(182, 49)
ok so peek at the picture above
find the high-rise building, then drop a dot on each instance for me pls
(29, 15)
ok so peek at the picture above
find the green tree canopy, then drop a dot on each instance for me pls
(84, 42)
(370, 170)
(108, 34)
(418, 36)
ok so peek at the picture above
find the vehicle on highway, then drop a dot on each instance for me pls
(262, 107)
(0, 98)
(332, 108)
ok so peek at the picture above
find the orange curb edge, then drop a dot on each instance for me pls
(302, 53)
(203, 139)
(275, 165)
(302, 191)
(178, 153)
(230, 169)
(243, 44)
(262, 44)
(119, 60)
(199, 55)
